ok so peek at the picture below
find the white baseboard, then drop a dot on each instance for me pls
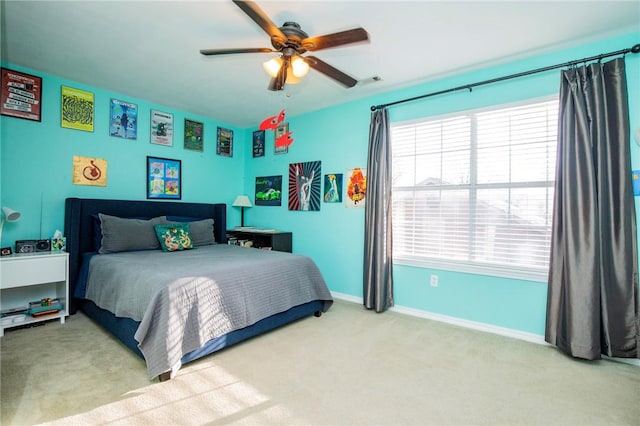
(488, 328)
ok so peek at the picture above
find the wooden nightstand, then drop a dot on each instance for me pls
(279, 241)
(30, 277)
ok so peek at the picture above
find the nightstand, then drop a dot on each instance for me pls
(262, 238)
(31, 277)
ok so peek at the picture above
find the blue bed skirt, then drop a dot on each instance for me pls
(125, 328)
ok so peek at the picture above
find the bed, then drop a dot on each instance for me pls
(185, 304)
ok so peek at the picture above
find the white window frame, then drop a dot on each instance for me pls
(503, 271)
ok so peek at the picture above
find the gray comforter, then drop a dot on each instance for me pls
(183, 299)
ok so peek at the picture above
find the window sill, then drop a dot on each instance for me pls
(525, 274)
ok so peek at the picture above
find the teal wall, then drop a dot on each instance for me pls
(37, 160)
(36, 164)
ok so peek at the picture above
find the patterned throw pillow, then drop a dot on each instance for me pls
(174, 237)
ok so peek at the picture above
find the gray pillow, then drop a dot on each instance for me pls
(122, 234)
(201, 232)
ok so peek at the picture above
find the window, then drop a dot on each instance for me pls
(474, 191)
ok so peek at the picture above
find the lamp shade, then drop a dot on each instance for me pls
(272, 66)
(242, 201)
(299, 67)
(10, 214)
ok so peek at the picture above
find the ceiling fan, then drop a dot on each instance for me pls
(292, 42)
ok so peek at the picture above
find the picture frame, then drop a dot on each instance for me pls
(278, 132)
(77, 109)
(5, 251)
(224, 145)
(305, 186)
(161, 128)
(332, 192)
(258, 143)
(20, 95)
(193, 135)
(164, 178)
(268, 191)
(123, 119)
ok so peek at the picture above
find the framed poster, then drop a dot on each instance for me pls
(21, 95)
(224, 145)
(332, 192)
(269, 191)
(161, 128)
(304, 186)
(193, 135)
(77, 109)
(164, 177)
(123, 119)
(277, 133)
(356, 181)
(89, 171)
(258, 143)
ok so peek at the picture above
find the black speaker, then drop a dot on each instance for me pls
(43, 245)
(26, 246)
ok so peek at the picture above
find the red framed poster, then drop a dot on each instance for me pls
(21, 95)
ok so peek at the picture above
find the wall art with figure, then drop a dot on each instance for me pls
(356, 181)
(123, 120)
(305, 186)
(333, 188)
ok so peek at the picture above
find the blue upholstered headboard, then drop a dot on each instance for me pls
(79, 223)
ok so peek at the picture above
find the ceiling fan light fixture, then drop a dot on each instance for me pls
(272, 66)
(299, 66)
(291, 77)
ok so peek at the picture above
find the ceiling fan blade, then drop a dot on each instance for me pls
(209, 52)
(330, 71)
(259, 17)
(336, 39)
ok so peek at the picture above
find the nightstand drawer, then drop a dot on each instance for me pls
(30, 270)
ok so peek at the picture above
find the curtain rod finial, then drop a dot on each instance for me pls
(373, 108)
(635, 49)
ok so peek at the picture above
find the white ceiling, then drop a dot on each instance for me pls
(150, 49)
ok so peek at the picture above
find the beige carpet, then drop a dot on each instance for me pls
(348, 367)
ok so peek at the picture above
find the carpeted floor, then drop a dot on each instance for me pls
(348, 367)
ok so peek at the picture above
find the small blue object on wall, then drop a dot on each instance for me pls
(636, 181)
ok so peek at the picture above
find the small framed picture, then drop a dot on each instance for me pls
(123, 122)
(5, 251)
(193, 135)
(161, 128)
(164, 178)
(77, 109)
(258, 143)
(332, 192)
(279, 132)
(21, 95)
(224, 144)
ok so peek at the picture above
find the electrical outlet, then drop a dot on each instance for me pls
(434, 281)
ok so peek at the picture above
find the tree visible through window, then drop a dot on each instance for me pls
(476, 188)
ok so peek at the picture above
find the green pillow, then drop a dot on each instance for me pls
(174, 237)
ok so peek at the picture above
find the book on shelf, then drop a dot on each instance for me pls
(14, 311)
(255, 230)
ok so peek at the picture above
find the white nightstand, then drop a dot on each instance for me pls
(30, 277)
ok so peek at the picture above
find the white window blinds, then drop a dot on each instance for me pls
(476, 188)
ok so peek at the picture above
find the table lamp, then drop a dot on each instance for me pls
(242, 201)
(10, 215)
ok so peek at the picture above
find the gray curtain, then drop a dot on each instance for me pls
(378, 266)
(592, 304)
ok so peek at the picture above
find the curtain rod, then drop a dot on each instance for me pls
(634, 49)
